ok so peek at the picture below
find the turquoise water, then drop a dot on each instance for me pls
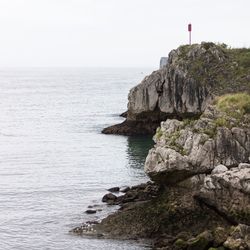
(54, 161)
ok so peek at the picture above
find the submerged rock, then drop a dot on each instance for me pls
(114, 189)
(90, 211)
(142, 192)
(109, 197)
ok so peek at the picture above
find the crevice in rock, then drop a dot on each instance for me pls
(220, 213)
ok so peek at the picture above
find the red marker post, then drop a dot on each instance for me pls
(190, 31)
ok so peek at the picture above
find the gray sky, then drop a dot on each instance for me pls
(113, 32)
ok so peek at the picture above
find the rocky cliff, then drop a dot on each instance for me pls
(185, 86)
(190, 147)
(199, 197)
(215, 147)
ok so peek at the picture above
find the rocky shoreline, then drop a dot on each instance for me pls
(199, 194)
(141, 216)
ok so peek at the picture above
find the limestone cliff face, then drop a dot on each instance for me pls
(215, 148)
(190, 147)
(201, 159)
(229, 192)
(183, 88)
(169, 91)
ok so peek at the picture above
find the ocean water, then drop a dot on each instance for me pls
(54, 161)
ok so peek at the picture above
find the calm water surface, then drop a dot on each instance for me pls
(54, 161)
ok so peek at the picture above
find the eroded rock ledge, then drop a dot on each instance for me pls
(190, 147)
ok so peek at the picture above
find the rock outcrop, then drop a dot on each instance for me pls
(183, 88)
(202, 170)
(229, 193)
(190, 147)
(200, 164)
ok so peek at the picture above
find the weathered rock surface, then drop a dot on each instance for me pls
(239, 238)
(142, 192)
(170, 217)
(200, 165)
(183, 88)
(229, 193)
(190, 147)
(165, 211)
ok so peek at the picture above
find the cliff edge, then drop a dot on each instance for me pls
(194, 74)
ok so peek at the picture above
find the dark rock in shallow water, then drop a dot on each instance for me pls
(125, 189)
(92, 222)
(132, 128)
(109, 197)
(90, 211)
(124, 114)
(114, 189)
(142, 192)
(169, 216)
(161, 211)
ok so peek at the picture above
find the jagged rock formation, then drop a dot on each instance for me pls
(184, 87)
(190, 147)
(229, 193)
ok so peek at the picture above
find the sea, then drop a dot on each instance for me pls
(54, 160)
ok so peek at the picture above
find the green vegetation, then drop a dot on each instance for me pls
(180, 244)
(171, 140)
(159, 133)
(242, 56)
(210, 132)
(235, 105)
(225, 69)
(233, 109)
(188, 122)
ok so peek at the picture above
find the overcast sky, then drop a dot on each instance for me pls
(121, 33)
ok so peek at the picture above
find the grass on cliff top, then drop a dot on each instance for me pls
(242, 56)
(234, 104)
(224, 69)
